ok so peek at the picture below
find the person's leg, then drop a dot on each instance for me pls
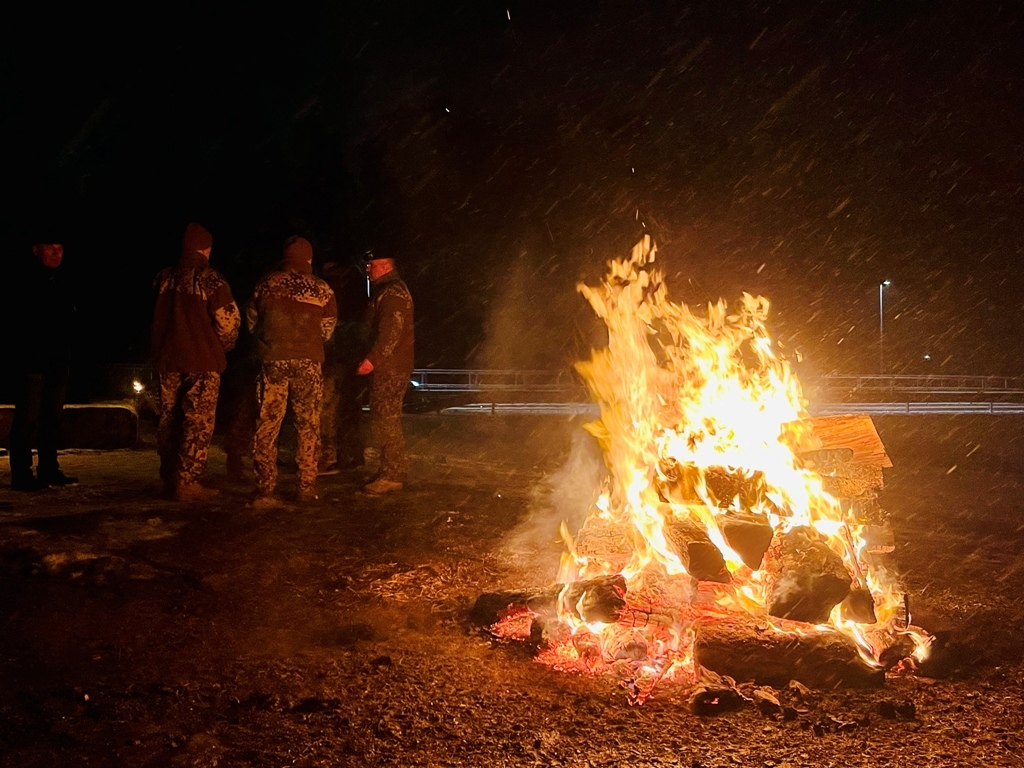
(350, 420)
(239, 439)
(272, 400)
(199, 409)
(51, 412)
(168, 428)
(329, 416)
(386, 396)
(306, 398)
(27, 408)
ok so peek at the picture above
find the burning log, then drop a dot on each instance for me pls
(806, 579)
(593, 600)
(599, 600)
(848, 455)
(749, 535)
(859, 606)
(855, 433)
(744, 650)
(605, 541)
(691, 542)
(677, 484)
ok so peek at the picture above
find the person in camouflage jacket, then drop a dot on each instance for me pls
(389, 317)
(195, 322)
(292, 314)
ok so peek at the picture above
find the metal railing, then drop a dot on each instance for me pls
(532, 391)
(469, 380)
(830, 395)
(928, 384)
(466, 380)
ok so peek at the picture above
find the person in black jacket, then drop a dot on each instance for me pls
(341, 437)
(41, 355)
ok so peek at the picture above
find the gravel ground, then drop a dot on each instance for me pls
(140, 632)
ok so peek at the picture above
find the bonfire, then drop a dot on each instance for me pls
(722, 537)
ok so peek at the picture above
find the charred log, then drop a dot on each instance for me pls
(691, 542)
(591, 600)
(596, 599)
(744, 650)
(749, 535)
(715, 695)
(725, 486)
(609, 542)
(824, 461)
(859, 606)
(806, 579)
(678, 482)
(492, 607)
(853, 481)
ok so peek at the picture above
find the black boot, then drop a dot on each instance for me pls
(27, 482)
(57, 479)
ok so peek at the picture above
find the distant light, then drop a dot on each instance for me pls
(414, 382)
(138, 386)
(927, 357)
(509, 14)
(447, 110)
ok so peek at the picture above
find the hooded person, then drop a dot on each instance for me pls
(291, 315)
(195, 322)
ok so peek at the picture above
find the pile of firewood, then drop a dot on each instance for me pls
(805, 578)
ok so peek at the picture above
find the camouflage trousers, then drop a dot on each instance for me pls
(299, 382)
(386, 396)
(188, 405)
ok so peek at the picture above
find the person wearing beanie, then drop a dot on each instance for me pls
(291, 314)
(195, 322)
(389, 363)
(39, 362)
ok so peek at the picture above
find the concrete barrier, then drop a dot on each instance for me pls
(90, 425)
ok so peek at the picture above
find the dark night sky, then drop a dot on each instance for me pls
(503, 151)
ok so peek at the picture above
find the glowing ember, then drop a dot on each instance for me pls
(702, 426)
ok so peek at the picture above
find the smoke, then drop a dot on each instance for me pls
(566, 494)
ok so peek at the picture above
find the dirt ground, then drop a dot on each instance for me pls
(135, 631)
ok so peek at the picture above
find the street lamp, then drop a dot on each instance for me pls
(881, 324)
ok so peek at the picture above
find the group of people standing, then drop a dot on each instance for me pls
(292, 316)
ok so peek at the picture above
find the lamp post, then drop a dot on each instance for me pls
(881, 324)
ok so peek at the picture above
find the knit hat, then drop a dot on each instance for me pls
(298, 254)
(196, 238)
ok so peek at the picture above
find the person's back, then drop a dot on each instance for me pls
(291, 314)
(195, 322)
(195, 318)
(290, 306)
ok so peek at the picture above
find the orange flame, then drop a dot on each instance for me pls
(681, 395)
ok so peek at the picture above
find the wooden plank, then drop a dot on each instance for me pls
(855, 432)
